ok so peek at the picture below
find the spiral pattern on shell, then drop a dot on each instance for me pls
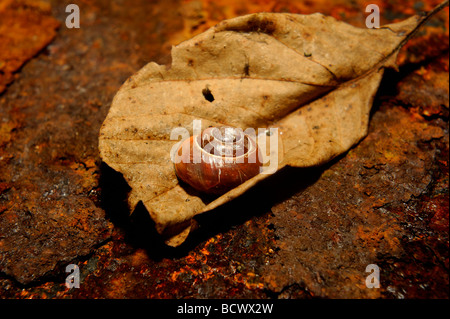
(218, 159)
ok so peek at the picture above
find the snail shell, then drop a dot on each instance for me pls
(219, 159)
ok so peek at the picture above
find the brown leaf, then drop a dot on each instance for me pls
(311, 76)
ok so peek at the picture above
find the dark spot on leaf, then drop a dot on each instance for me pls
(247, 69)
(257, 24)
(190, 62)
(207, 94)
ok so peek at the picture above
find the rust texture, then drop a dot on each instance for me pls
(25, 28)
(304, 233)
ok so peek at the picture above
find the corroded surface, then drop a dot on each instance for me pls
(367, 209)
(25, 28)
(302, 234)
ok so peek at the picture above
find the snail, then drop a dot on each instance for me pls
(218, 159)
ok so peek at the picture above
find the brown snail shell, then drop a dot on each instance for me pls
(226, 157)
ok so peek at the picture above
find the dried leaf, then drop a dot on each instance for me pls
(311, 76)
